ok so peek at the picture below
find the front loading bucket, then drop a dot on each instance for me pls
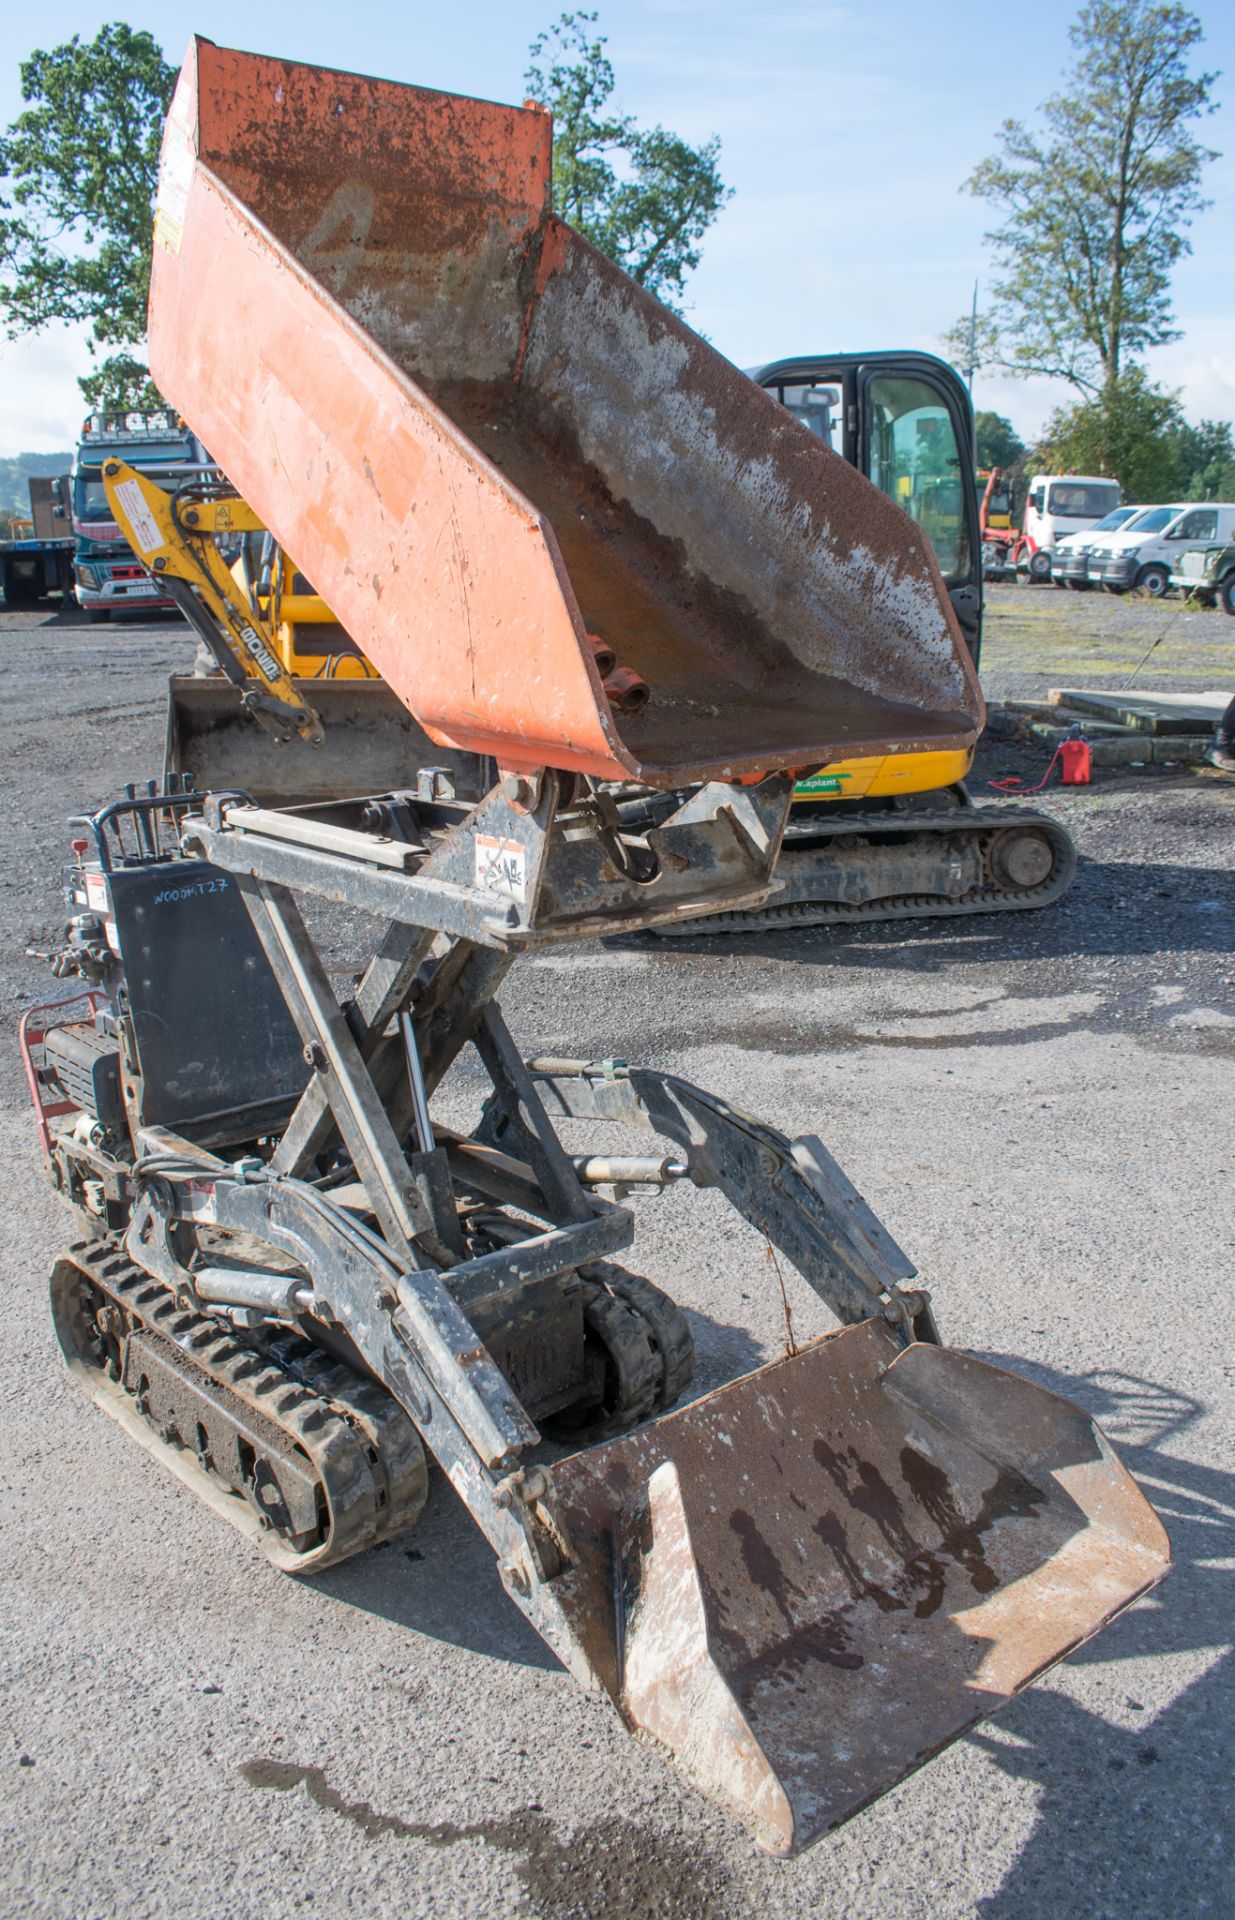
(806, 1584)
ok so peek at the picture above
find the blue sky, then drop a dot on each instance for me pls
(846, 131)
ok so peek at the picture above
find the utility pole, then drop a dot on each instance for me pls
(973, 339)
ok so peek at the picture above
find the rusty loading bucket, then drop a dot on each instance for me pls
(806, 1584)
(483, 443)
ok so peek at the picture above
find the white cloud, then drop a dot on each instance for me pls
(42, 407)
(1202, 366)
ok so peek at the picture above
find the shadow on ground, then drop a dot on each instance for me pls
(1135, 1818)
(1112, 909)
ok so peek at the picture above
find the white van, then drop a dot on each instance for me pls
(1146, 554)
(1070, 564)
(1060, 503)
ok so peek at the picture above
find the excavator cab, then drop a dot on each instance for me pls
(905, 420)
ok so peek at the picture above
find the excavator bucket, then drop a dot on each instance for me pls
(806, 1584)
(489, 449)
(371, 745)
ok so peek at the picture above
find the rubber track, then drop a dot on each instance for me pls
(360, 1443)
(968, 820)
(649, 1346)
(664, 1323)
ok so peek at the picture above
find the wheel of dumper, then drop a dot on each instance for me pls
(665, 1325)
(1040, 567)
(622, 1369)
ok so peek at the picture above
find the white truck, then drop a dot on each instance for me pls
(1058, 504)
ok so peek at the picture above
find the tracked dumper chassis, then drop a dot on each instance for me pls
(292, 1273)
(308, 1457)
(297, 1286)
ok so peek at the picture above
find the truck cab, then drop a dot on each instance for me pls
(905, 420)
(1058, 504)
(109, 575)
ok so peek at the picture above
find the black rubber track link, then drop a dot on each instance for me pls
(648, 1355)
(664, 1324)
(298, 1451)
(987, 825)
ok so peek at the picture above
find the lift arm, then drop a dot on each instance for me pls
(175, 537)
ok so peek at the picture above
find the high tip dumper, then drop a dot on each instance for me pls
(295, 1284)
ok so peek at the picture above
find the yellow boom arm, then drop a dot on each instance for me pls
(178, 546)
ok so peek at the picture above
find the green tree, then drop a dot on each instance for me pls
(1131, 432)
(998, 443)
(79, 168)
(1136, 432)
(642, 195)
(1206, 458)
(1096, 202)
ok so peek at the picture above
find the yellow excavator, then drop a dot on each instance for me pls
(269, 637)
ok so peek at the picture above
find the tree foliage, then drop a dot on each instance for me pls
(998, 443)
(643, 196)
(1095, 203)
(1128, 432)
(80, 167)
(1206, 455)
(1136, 432)
(15, 473)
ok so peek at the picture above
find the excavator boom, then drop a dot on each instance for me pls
(176, 538)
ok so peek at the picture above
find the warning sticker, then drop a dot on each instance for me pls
(501, 866)
(144, 526)
(175, 178)
(96, 892)
(197, 1200)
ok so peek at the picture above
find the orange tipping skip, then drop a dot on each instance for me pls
(488, 448)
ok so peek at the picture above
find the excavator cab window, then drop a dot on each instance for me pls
(916, 461)
(904, 420)
(817, 406)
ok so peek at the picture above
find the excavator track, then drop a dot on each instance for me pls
(301, 1453)
(1018, 859)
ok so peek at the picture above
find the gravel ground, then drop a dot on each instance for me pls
(1038, 1106)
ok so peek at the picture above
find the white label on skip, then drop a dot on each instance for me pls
(197, 1200)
